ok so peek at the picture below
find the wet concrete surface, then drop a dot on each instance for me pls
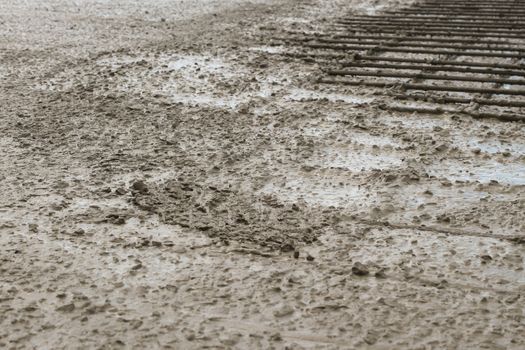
(172, 180)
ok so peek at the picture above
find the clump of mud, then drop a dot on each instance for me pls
(231, 215)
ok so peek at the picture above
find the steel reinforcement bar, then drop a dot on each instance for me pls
(425, 87)
(423, 76)
(460, 100)
(434, 68)
(421, 51)
(426, 31)
(402, 50)
(409, 43)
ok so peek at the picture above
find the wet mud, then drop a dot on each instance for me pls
(174, 178)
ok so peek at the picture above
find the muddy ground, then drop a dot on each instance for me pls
(171, 178)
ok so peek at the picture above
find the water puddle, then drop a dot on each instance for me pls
(187, 79)
(319, 192)
(408, 122)
(191, 66)
(492, 146)
(413, 196)
(373, 140)
(354, 160)
(191, 79)
(329, 125)
(370, 10)
(268, 49)
(514, 86)
(484, 171)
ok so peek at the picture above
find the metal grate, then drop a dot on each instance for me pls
(442, 52)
